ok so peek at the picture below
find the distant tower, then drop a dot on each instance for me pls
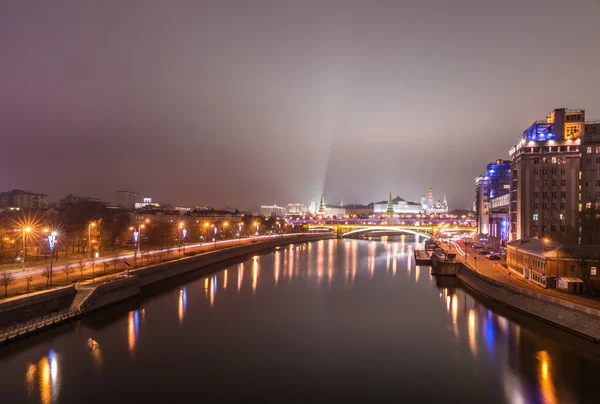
(445, 203)
(342, 201)
(322, 208)
(430, 202)
(390, 206)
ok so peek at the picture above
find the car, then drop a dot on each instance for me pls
(477, 245)
(484, 251)
(494, 257)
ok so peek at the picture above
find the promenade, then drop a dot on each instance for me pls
(81, 269)
(496, 271)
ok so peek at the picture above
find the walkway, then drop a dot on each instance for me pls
(494, 270)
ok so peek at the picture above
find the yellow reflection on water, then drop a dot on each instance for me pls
(225, 280)
(354, 260)
(30, 379)
(346, 261)
(254, 274)
(320, 260)
(277, 266)
(47, 370)
(291, 264)
(240, 276)
(182, 303)
(387, 261)
(95, 352)
(330, 271)
(132, 329)
(455, 314)
(545, 377)
(472, 330)
(394, 259)
(212, 290)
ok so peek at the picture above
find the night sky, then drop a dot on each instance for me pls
(257, 102)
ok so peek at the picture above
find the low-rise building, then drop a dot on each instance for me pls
(128, 199)
(549, 264)
(272, 210)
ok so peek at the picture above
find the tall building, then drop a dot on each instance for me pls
(296, 209)
(590, 166)
(23, 199)
(429, 206)
(545, 168)
(128, 199)
(390, 206)
(494, 184)
(322, 207)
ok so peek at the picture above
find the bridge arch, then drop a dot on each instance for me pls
(385, 228)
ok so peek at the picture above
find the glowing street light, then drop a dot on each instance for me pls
(240, 232)
(26, 230)
(215, 238)
(256, 224)
(90, 225)
(51, 241)
(183, 234)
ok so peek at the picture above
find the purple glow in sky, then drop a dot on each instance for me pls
(256, 102)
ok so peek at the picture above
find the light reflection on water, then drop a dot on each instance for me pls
(525, 362)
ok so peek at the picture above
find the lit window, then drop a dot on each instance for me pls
(593, 270)
(589, 149)
(535, 216)
(562, 216)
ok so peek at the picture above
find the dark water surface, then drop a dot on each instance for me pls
(335, 320)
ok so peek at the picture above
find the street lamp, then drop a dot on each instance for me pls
(51, 241)
(90, 225)
(215, 238)
(183, 234)
(547, 241)
(256, 224)
(240, 232)
(26, 230)
(225, 225)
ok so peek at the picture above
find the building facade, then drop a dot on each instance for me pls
(272, 210)
(499, 221)
(494, 184)
(399, 206)
(590, 167)
(23, 199)
(545, 167)
(128, 199)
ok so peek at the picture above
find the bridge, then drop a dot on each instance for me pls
(427, 229)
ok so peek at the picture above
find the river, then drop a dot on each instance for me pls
(334, 320)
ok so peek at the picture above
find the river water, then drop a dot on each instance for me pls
(334, 320)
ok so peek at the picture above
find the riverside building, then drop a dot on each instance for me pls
(545, 172)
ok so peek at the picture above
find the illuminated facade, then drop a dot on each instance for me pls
(428, 205)
(545, 173)
(272, 210)
(490, 187)
(399, 206)
(590, 167)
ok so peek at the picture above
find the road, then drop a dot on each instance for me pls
(494, 270)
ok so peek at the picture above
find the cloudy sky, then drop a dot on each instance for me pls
(256, 102)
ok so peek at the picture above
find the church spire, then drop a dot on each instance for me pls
(390, 206)
(322, 207)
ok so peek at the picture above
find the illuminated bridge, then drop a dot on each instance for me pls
(420, 227)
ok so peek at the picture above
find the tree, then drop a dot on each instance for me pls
(81, 266)
(67, 269)
(46, 273)
(6, 279)
(29, 280)
(105, 265)
(93, 261)
(115, 262)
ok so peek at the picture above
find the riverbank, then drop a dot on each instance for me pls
(576, 319)
(92, 297)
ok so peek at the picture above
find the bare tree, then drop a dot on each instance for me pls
(67, 269)
(46, 274)
(93, 261)
(115, 261)
(81, 266)
(6, 279)
(105, 265)
(29, 280)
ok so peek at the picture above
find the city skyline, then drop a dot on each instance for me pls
(195, 102)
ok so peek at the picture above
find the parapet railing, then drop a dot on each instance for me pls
(35, 324)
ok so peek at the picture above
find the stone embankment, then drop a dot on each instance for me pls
(25, 315)
(574, 318)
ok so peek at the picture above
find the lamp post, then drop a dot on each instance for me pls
(26, 230)
(90, 225)
(215, 229)
(225, 226)
(240, 233)
(51, 241)
(256, 224)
